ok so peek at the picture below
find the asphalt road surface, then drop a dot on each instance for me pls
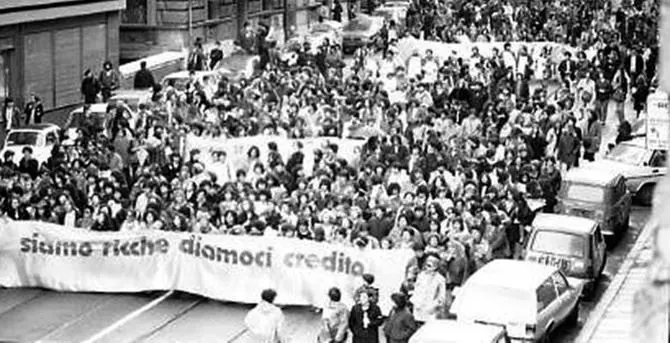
(31, 315)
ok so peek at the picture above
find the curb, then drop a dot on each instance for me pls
(597, 315)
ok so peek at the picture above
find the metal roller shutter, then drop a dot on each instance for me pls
(95, 46)
(38, 75)
(68, 66)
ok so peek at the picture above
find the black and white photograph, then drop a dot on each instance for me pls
(334, 171)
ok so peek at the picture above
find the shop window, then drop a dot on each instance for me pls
(213, 9)
(135, 12)
(5, 76)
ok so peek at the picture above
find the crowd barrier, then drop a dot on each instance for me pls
(228, 268)
(237, 148)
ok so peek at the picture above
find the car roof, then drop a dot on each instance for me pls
(184, 74)
(591, 176)
(512, 274)
(461, 332)
(564, 223)
(95, 108)
(37, 127)
(131, 93)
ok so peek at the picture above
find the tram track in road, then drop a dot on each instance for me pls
(127, 318)
(171, 320)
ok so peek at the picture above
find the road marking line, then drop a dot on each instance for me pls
(238, 335)
(75, 320)
(176, 317)
(39, 294)
(598, 313)
(106, 331)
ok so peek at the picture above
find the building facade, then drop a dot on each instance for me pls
(153, 26)
(45, 46)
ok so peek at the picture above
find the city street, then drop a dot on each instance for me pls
(47, 316)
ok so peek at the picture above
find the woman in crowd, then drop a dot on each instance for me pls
(365, 319)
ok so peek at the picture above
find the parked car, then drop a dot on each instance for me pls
(451, 331)
(238, 65)
(393, 12)
(181, 79)
(530, 300)
(643, 168)
(601, 196)
(574, 245)
(360, 31)
(98, 119)
(40, 137)
(327, 29)
(132, 97)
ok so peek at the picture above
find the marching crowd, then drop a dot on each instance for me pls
(454, 147)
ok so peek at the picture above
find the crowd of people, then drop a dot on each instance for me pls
(454, 146)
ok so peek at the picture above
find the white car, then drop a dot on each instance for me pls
(40, 137)
(643, 168)
(97, 111)
(361, 31)
(132, 97)
(179, 80)
(530, 300)
(392, 12)
(328, 29)
(451, 331)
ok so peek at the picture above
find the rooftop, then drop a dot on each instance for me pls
(512, 274)
(564, 223)
(592, 176)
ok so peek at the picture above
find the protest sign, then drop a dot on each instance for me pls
(230, 268)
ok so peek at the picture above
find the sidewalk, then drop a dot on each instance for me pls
(611, 320)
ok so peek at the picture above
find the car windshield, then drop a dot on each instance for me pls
(491, 300)
(321, 28)
(235, 63)
(179, 82)
(627, 153)
(388, 14)
(558, 243)
(358, 24)
(22, 138)
(587, 193)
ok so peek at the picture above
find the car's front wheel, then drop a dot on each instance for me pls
(645, 195)
(573, 317)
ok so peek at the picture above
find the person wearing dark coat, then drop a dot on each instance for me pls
(400, 325)
(521, 87)
(34, 110)
(90, 87)
(568, 148)
(109, 80)
(143, 78)
(215, 56)
(28, 164)
(196, 58)
(364, 320)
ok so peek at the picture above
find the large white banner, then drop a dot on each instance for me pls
(407, 46)
(237, 148)
(230, 268)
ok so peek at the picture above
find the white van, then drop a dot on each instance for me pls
(529, 299)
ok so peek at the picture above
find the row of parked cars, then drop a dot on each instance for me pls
(563, 258)
(42, 137)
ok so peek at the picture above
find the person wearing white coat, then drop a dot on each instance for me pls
(265, 322)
